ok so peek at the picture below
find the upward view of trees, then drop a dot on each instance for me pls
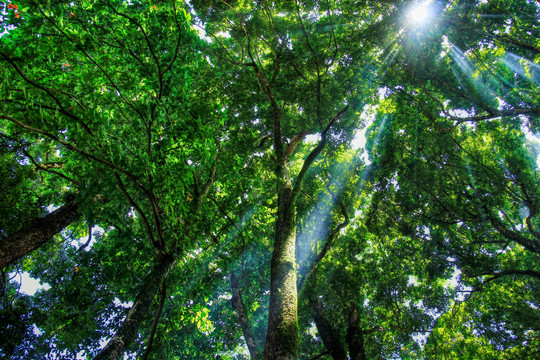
(213, 179)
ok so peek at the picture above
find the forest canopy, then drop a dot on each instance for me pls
(212, 179)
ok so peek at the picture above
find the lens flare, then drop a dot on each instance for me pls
(419, 13)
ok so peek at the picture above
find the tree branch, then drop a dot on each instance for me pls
(508, 39)
(37, 233)
(49, 93)
(238, 305)
(314, 153)
(497, 275)
(146, 224)
(163, 295)
(527, 243)
(294, 142)
(139, 26)
(76, 149)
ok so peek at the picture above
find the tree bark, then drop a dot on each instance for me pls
(282, 333)
(37, 233)
(355, 338)
(128, 330)
(163, 295)
(328, 335)
(238, 305)
(530, 244)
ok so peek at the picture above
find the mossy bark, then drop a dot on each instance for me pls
(37, 233)
(282, 333)
(127, 332)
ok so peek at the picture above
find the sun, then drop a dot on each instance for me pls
(419, 13)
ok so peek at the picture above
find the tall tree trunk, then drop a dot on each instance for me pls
(37, 233)
(282, 333)
(328, 334)
(355, 337)
(238, 305)
(128, 330)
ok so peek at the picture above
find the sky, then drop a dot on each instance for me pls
(28, 284)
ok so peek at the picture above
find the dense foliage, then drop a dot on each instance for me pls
(191, 180)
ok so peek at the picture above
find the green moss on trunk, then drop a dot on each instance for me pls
(282, 334)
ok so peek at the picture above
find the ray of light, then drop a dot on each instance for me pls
(468, 74)
(389, 58)
(314, 234)
(318, 224)
(525, 68)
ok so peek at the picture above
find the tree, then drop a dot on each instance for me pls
(103, 101)
(302, 87)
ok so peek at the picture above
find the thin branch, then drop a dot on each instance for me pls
(314, 153)
(41, 167)
(163, 295)
(76, 149)
(333, 35)
(495, 115)
(205, 190)
(231, 221)
(139, 211)
(178, 41)
(83, 246)
(113, 84)
(508, 39)
(497, 275)
(160, 74)
(48, 92)
(317, 63)
(527, 243)
(155, 215)
(267, 89)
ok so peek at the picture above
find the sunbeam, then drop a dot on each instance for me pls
(389, 58)
(361, 184)
(313, 235)
(315, 232)
(469, 75)
(525, 68)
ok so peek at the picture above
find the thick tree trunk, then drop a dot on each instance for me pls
(238, 305)
(355, 338)
(282, 333)
(37, 233)
(128, 330)
(328, 335)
